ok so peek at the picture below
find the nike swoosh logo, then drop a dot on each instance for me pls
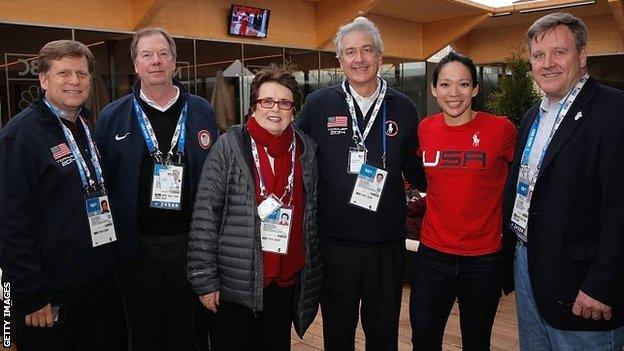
(117, 137)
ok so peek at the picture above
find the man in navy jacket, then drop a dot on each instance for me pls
(564, 200)
(59, 277)
(362, 250)
(159, 127)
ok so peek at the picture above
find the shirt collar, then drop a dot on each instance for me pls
(545, 105)
(373, 97)
(158, 107)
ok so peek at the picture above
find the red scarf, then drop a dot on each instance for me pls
(282, 269)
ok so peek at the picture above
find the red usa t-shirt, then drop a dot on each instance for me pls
(466, 168)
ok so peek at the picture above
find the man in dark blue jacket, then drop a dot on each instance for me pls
(57, 261)
(154, 143)
(362, 125)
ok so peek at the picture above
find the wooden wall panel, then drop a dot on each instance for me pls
(97, 14)
(401, 38)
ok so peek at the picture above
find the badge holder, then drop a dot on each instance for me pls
(100, 218)
(268, 206)
(368, 187)
(519, 215)
(275, 230)
(357, 157)
(166, 190)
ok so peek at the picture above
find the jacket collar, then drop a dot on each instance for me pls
(46, 116)
(578, 112)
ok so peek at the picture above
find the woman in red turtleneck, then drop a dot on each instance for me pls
(257, 272)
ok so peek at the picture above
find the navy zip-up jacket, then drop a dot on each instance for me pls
(121, 144)
(46, 252)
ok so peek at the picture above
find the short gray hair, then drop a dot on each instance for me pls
(360, 24)
(144, 32)
(553, 20)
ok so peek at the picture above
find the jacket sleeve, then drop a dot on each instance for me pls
(19, 240)
(605, 273)
(102, 140)
(302, 122)
(413, 169)
(203, 246)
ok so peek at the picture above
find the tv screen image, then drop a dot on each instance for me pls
(249, 21)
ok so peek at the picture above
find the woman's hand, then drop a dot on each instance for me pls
(210, 301)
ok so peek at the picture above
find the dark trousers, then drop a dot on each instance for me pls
(91, 322)
(362, 280)
(238, 328)
(440, 278)
(161, 310)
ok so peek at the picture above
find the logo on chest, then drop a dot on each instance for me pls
(391, 128)
(455, 159)
(337, 125)
(62, 154)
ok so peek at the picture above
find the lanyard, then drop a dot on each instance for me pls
(179, 135)
(384, 138)
(83, 169)
(358, 137)
(563, 110)
(291, 176)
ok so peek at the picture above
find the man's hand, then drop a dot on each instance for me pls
(210, 301)
(587, 307)
(41, 318)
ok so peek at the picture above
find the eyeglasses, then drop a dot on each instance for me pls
(269, 103)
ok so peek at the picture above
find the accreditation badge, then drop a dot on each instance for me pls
(357, 157)
(368, 187)
(520, 214)
(167, 183)
(275, 231)
(100, 219)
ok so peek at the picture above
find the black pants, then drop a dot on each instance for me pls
(91, 322)
(362, 280)
(237, 328)
(162, 312)
(440, 278)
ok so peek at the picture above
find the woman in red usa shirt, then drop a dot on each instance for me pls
(466, 156)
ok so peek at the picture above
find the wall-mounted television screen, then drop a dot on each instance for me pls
(249, 21)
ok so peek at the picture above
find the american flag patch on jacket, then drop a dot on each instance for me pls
(59, 151)
(337, 121)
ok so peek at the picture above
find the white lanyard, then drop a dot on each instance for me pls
(358, 137)
(291, 176)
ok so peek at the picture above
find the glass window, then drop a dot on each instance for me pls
(114, 72)
(414, 85)
(19, 81)
(304, 66)
(185, 62)
(330, 73)
(218, 79)
(257, 56)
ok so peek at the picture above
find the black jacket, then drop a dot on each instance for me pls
(576, 215)
(45, 241)
(336, 185)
